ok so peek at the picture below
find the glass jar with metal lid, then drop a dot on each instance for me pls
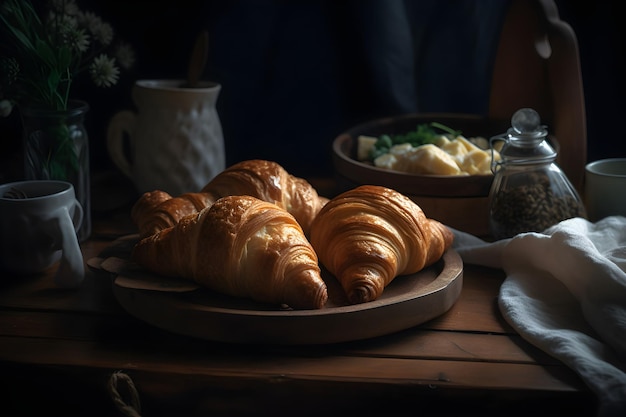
(529, 192)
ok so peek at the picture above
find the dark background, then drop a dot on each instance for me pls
(294, 74)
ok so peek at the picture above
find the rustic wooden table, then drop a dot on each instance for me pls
(59, 349)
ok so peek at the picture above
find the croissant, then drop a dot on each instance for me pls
(262, 179)
(241, 246)
(152, 214)
(269, 181)
(369, 235)
(147, 203)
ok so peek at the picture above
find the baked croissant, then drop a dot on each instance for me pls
(241, 246)
(369, 235)
(146, 203)
(262, 179)
(269, 181)
(151, 215)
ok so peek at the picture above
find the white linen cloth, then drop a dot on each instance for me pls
(565, 292)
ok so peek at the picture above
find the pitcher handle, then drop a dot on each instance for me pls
(121, 123)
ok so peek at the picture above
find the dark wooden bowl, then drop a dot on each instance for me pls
(460, 202)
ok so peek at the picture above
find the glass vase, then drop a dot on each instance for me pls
(56, 147)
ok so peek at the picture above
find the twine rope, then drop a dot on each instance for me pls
(123, 381)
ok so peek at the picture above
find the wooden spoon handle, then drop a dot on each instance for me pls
(198, 59)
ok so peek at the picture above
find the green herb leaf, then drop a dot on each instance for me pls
(424, 133)
(64, 57)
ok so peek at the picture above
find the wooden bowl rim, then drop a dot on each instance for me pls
(423, 185)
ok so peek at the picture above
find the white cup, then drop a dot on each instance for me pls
(175, 140)
(605, 188)
(39, 219)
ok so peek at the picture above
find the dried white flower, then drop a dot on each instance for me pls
(78, 40)
(125, 55)
(101, 31)
(103, 70)
(61, 22)
(5, 108)
(67, 7)
(88, 20)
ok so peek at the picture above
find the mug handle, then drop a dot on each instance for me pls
(121, 123)
(71, 270)
(77, 216)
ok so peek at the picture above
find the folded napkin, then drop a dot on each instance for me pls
(565, 292)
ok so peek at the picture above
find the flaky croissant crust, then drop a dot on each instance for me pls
(157, 210)
(369, 235)
(241, 246)
(265, 180)
(269, 181)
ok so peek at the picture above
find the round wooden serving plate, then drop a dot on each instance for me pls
(184, 308)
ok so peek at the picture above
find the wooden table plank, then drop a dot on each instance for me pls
(412, 343)
(245, 385)
(266, 365)
(196, 394)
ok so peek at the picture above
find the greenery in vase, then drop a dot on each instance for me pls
(43, 51)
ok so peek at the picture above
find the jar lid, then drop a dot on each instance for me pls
(525, 139)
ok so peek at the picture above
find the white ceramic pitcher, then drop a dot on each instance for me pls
(175, 138)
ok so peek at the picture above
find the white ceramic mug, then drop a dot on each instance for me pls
(175, 138)
(39, 219)
(605, 188)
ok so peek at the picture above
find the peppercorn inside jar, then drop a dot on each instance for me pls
(529, 192)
